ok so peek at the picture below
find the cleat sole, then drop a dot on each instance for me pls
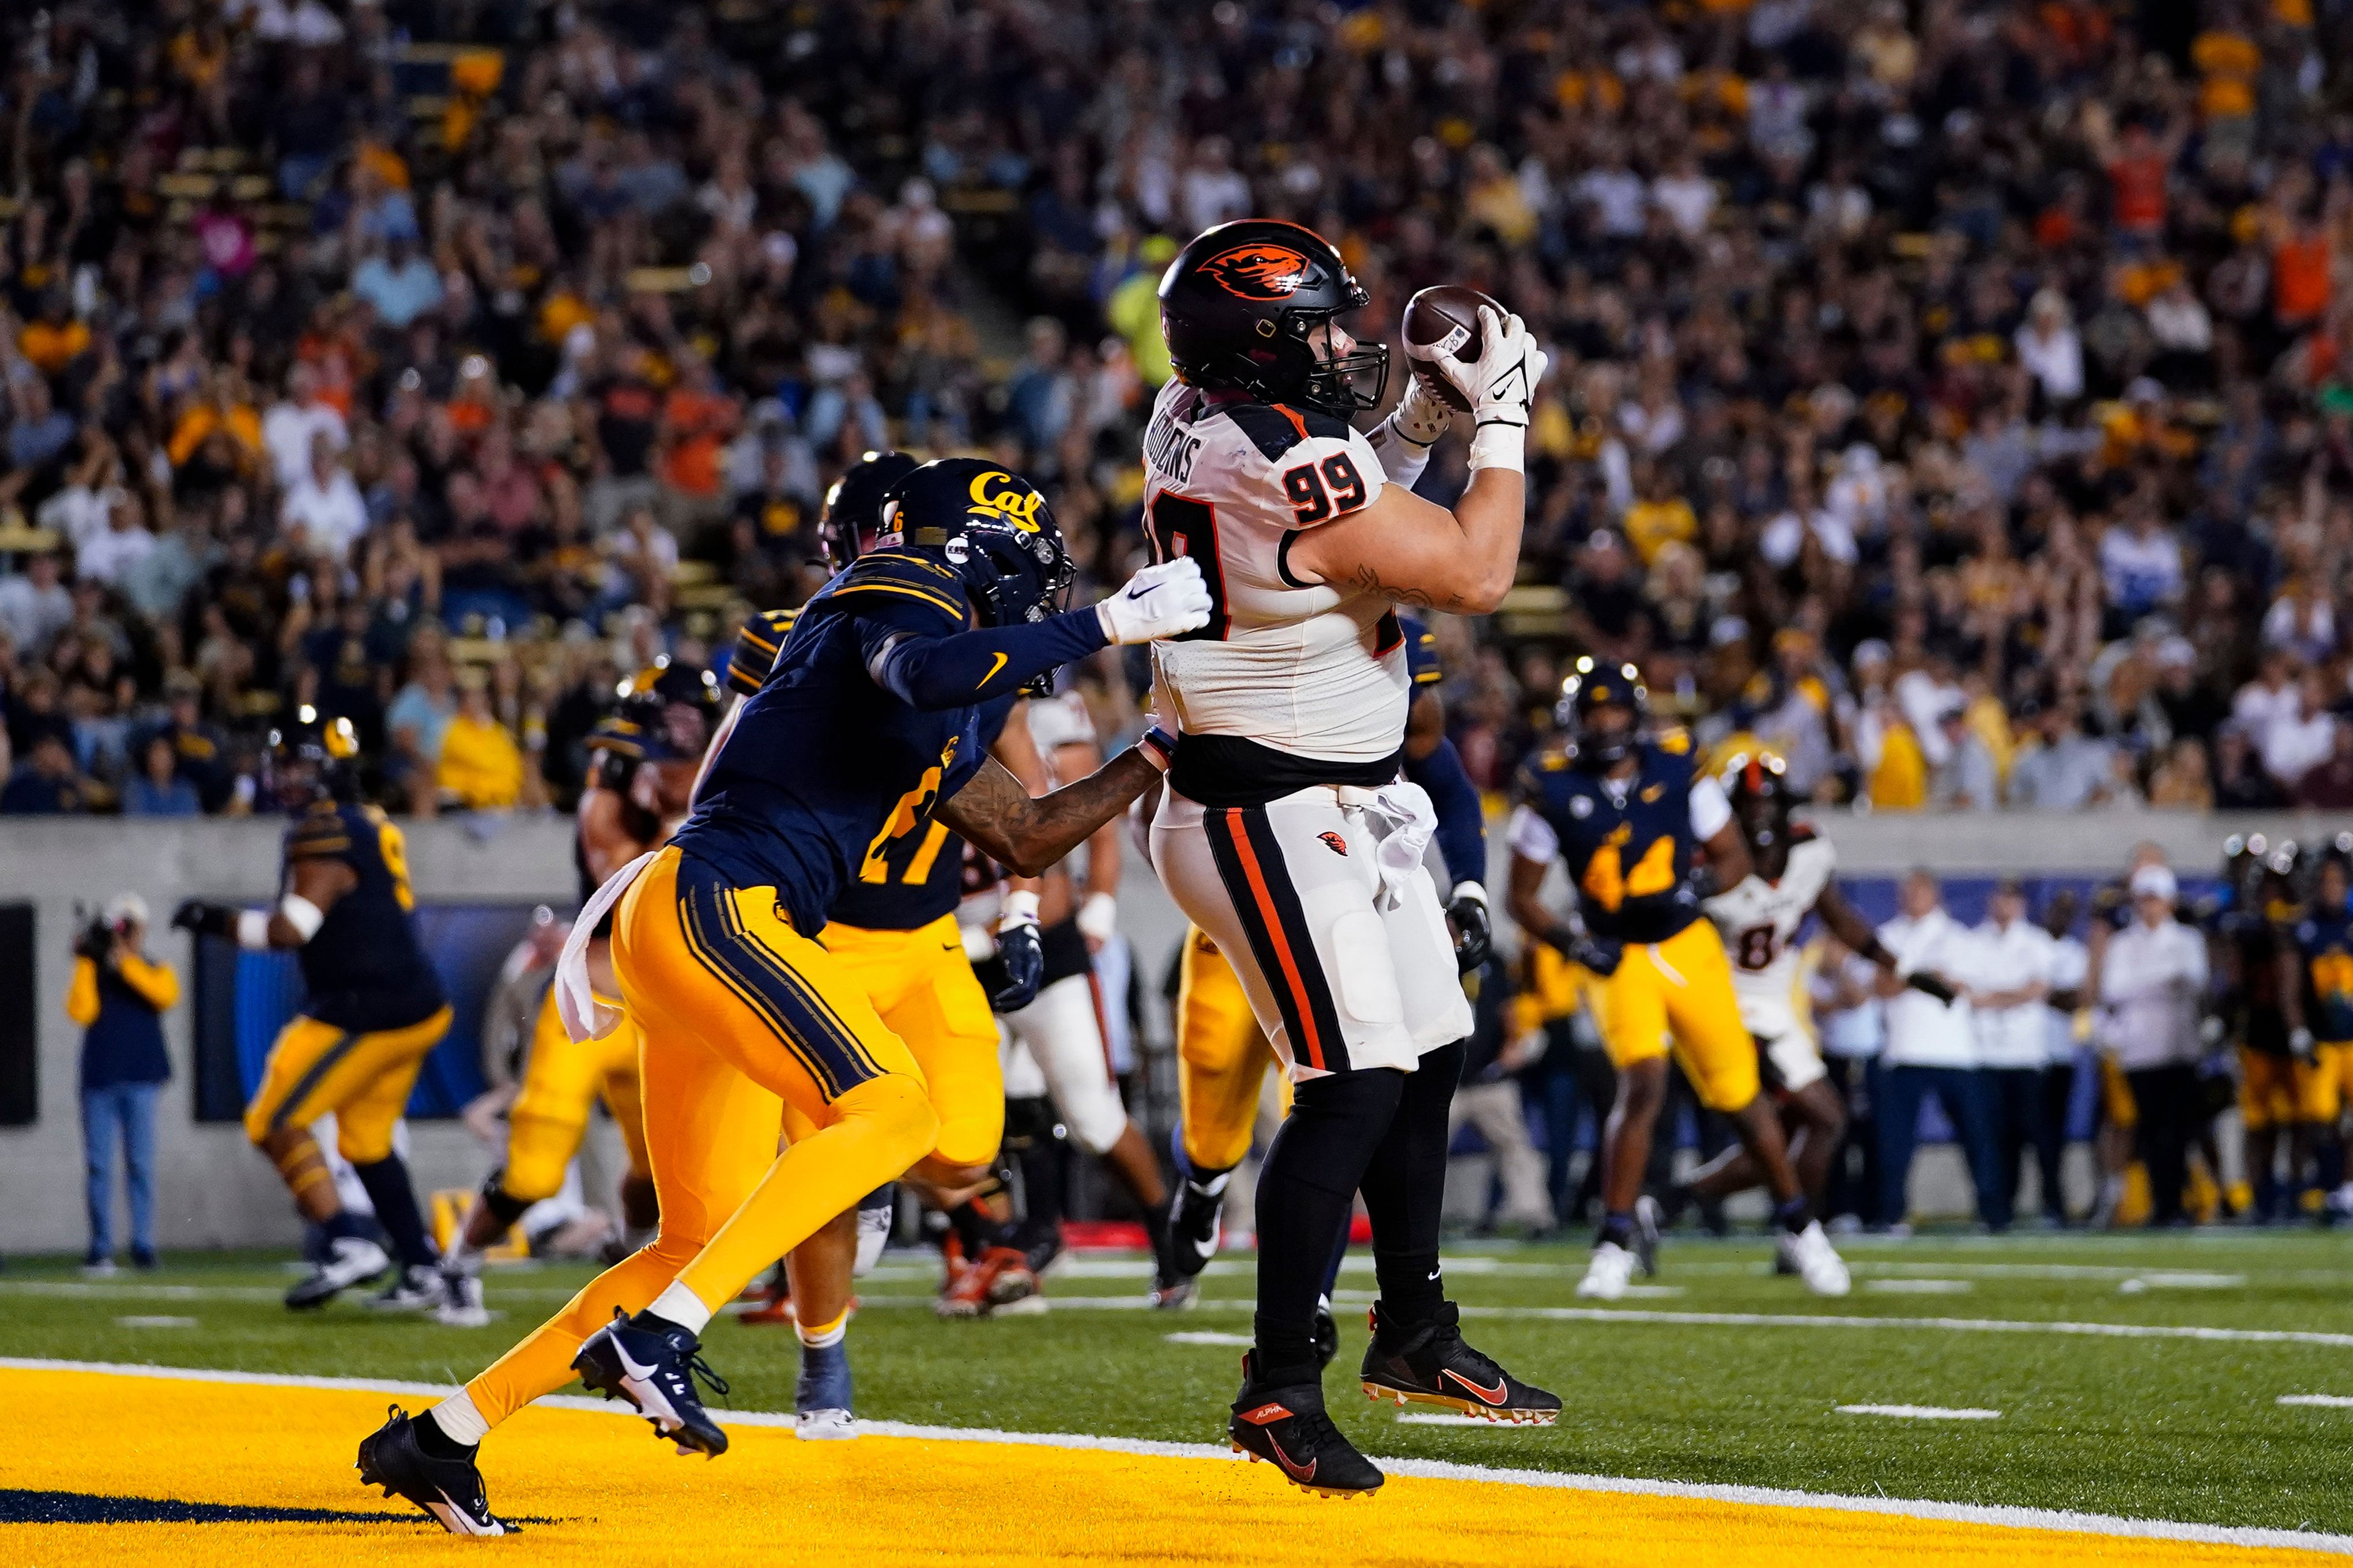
(1513, 1416)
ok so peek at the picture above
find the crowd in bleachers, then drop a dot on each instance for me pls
(1957, 398)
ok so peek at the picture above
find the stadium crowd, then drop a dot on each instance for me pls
(1955, 398)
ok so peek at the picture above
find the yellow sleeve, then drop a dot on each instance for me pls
(159, 983)
(81, 997)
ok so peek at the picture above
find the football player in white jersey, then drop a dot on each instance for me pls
(1792, 877)
(1287, 835)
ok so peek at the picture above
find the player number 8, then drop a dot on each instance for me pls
(1318, 490)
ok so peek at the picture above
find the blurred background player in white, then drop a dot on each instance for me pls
(2011, 978)
(1931, 1048)
(1286, 835)
(1791, 878)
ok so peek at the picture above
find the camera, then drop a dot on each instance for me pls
(96, 938)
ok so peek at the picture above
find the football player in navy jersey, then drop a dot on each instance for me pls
(868, 727)
(1628, 814)
(374, 1009)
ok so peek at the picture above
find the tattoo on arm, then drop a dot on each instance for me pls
(1370, 580)
(1030, 835)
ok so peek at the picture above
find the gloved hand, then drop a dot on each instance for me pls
(1023, 955)
(1600, 954)
(1474, 929)
(2299, 1041)
(1501, 386)
(205, 920)
(1158, 602)
(1421, 415)
(1929, 986)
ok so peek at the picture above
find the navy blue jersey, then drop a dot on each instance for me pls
(2323, 940)
(825, 770)
(1628, 848)
(364, 969)
(918, 876)
(1421, 662)
(754, 653)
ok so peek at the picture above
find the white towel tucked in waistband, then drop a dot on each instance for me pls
(1403, 821)
(584, 1017)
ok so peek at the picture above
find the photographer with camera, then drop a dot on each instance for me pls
(118, 997)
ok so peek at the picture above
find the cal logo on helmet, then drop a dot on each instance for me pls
(1258, 271)
(998, 495)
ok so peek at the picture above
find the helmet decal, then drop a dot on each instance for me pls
(1258, 271)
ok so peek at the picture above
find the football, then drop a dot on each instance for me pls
(1444, 320)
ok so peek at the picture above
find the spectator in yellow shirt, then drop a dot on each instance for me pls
(1659, 515)
(482, 765)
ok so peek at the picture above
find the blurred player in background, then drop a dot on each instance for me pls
(2258, 972)
(1792, 877)
(374, 1009)
(1628, 814)
(2316, 998)
(644, 757)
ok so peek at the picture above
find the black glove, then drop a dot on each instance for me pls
(1600, 954)
(1929, 986)
(1024, 957)
(95, 942)
(1474, 928)
(205, 920)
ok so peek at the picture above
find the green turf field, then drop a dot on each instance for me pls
(2175, 1426)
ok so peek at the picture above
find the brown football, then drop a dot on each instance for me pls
(1444, 320)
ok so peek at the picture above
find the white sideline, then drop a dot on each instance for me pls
(2000, 1515)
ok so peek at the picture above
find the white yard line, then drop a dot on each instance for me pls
(136, 1321)
(1765, 1497)
(1207, 1338)
(1921, 1412)
(1910, 1286)
(2323, 1401)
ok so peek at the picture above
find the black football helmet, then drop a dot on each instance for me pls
(1590, 690)
(1238, 307)
(1757, 784)
(852, 518)
(992, 529)
(667, 712)
(311, 759)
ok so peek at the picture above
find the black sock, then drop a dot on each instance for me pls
(1207, 1181)
(437, 1444)
(387, 1180)
(1405, 1191)
(1305, 1190)
(653, 1322)
(1796, 1214)
(503, 1204)
(343, 1222)
(975, 1228)
(1616, 1228)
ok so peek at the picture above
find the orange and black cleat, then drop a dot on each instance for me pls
(1430, 1364)
(1282, 1420)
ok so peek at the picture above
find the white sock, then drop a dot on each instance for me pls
(459, 1420)
(682, 1307)
(825, 1337)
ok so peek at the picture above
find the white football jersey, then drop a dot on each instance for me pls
(1759, 921)
(1304, 668)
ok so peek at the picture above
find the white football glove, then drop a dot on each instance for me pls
(1421, 415)
(1158, 602)
(1501, 386)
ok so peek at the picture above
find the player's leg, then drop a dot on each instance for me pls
(1221, 1063)
(624, 1093)
(544, 1128)
(1629, 1010)
(1250, 892)
(365, 1115)
(2055, 1087)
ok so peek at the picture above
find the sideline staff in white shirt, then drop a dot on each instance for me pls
(2014, 959)
(2150, 979)
(1931, 1049)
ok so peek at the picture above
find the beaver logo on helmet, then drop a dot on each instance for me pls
(1258, 271)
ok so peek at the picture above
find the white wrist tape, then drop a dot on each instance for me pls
(253, 928)
(304, 916)
(1099, 917)
(1500, 441)
(1470, 891)
(1019, 909)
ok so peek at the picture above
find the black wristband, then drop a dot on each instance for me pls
(1874, 952)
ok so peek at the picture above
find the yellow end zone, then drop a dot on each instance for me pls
(610, 1494)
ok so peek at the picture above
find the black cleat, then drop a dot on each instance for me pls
(1285, 1425)
(653, 1364)
(351, 1261)
(449, 1490)
(1430, 1364)
(1193, 1230)
(1327, 1334)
